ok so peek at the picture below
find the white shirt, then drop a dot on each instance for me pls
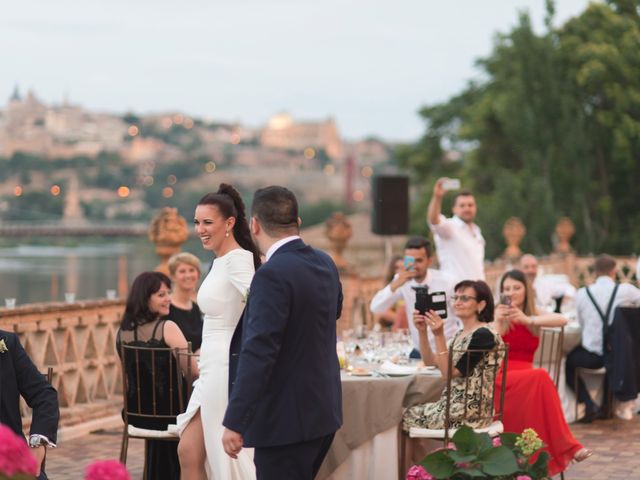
(588, 317)
(460, 248)
(278, 244)
(437, 282)
(548, 288)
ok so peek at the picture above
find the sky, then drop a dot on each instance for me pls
(371, 65)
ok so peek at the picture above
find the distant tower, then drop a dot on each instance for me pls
(15, 96)
(73, 214)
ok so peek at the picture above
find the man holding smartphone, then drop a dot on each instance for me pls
(459, 241)
(416, 272)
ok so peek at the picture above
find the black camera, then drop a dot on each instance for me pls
(436, 301)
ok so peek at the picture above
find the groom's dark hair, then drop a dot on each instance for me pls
(276, 208)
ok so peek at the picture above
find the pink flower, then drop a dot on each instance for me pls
(451, 446)
(523, 477)
(496, 442)
(417, 472)
(106, 470)
(15, 456)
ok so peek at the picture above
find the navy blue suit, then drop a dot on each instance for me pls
(20, 377)
(284, 373)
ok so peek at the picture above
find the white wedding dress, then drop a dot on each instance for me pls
(221, 297)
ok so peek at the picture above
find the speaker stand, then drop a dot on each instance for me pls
(388, 248)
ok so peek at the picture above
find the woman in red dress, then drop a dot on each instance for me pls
(531, 399)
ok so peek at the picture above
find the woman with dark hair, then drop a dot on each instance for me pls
(473, 305)
(221, 224)
(142, 326)
(531, 399)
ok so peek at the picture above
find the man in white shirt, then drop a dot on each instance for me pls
(459, 241)
(590, 353)
(547, 290)
(400, 288)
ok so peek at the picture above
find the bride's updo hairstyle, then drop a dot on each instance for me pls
(230, 204)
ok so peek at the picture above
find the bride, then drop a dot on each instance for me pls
(221, 224)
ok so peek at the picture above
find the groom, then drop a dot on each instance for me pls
(285, 394)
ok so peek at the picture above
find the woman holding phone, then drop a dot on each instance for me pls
(531, 399)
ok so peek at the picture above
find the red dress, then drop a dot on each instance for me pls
(531, 400)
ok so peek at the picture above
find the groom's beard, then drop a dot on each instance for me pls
(257, 244)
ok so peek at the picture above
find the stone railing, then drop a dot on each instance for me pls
(78, 341)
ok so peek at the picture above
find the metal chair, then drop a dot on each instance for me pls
(152, 397)
(492, 370)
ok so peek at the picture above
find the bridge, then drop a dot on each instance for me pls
(65, 229)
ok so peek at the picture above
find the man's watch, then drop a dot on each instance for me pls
(37, 440)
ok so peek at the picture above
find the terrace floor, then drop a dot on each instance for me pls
(616, 444)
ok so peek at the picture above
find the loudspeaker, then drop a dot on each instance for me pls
(390, 214)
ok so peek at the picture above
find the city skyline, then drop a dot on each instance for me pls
(369, 66)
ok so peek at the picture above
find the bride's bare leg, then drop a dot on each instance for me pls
(191, 451)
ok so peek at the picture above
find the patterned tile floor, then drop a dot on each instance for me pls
(616, 444)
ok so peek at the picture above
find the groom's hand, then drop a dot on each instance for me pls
(232, 442)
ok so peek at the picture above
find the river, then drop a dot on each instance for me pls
(43, 270)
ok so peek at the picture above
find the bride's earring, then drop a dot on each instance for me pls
(227, 234)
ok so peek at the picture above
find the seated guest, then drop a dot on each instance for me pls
(595, 306)
(473, 304)
(548, 292)
(419, 274)
(531, 399)
(395, 317)
(184, 269)
(143, 326)
(19, 377)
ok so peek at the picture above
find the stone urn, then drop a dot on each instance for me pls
(338, 230)
(513, 233)
(564, 231)
(168, 231)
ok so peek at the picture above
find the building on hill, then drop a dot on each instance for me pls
(282, 132)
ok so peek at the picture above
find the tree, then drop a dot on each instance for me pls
(552, 130)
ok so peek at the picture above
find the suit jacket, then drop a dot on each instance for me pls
(20, 377)
(284, 373)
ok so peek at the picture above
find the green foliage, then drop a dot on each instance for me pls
(474, 455)
(553, 130)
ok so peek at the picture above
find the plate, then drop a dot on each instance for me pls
(360, 374)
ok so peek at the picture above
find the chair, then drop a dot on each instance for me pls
(489, 414)
(151, 395)
(185, 388)
(550, 353)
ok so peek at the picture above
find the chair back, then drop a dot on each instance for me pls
(150, 380)
(184, 358)
(483, 401)
(549, 353)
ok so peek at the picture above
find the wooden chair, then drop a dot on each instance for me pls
(184, 357)
(550, 353)
(152, 396)
(486, 414)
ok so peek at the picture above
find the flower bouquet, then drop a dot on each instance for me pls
(510, 456)
(106, 470)
(16, 461)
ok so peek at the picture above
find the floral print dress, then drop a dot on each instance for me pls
(478, 373)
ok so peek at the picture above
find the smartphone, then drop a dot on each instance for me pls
(408, 262)
(505, 300)
(436, 301)
(451, 184)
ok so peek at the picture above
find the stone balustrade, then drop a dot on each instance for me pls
(78, 341)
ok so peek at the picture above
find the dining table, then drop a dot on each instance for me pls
(366, 446)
